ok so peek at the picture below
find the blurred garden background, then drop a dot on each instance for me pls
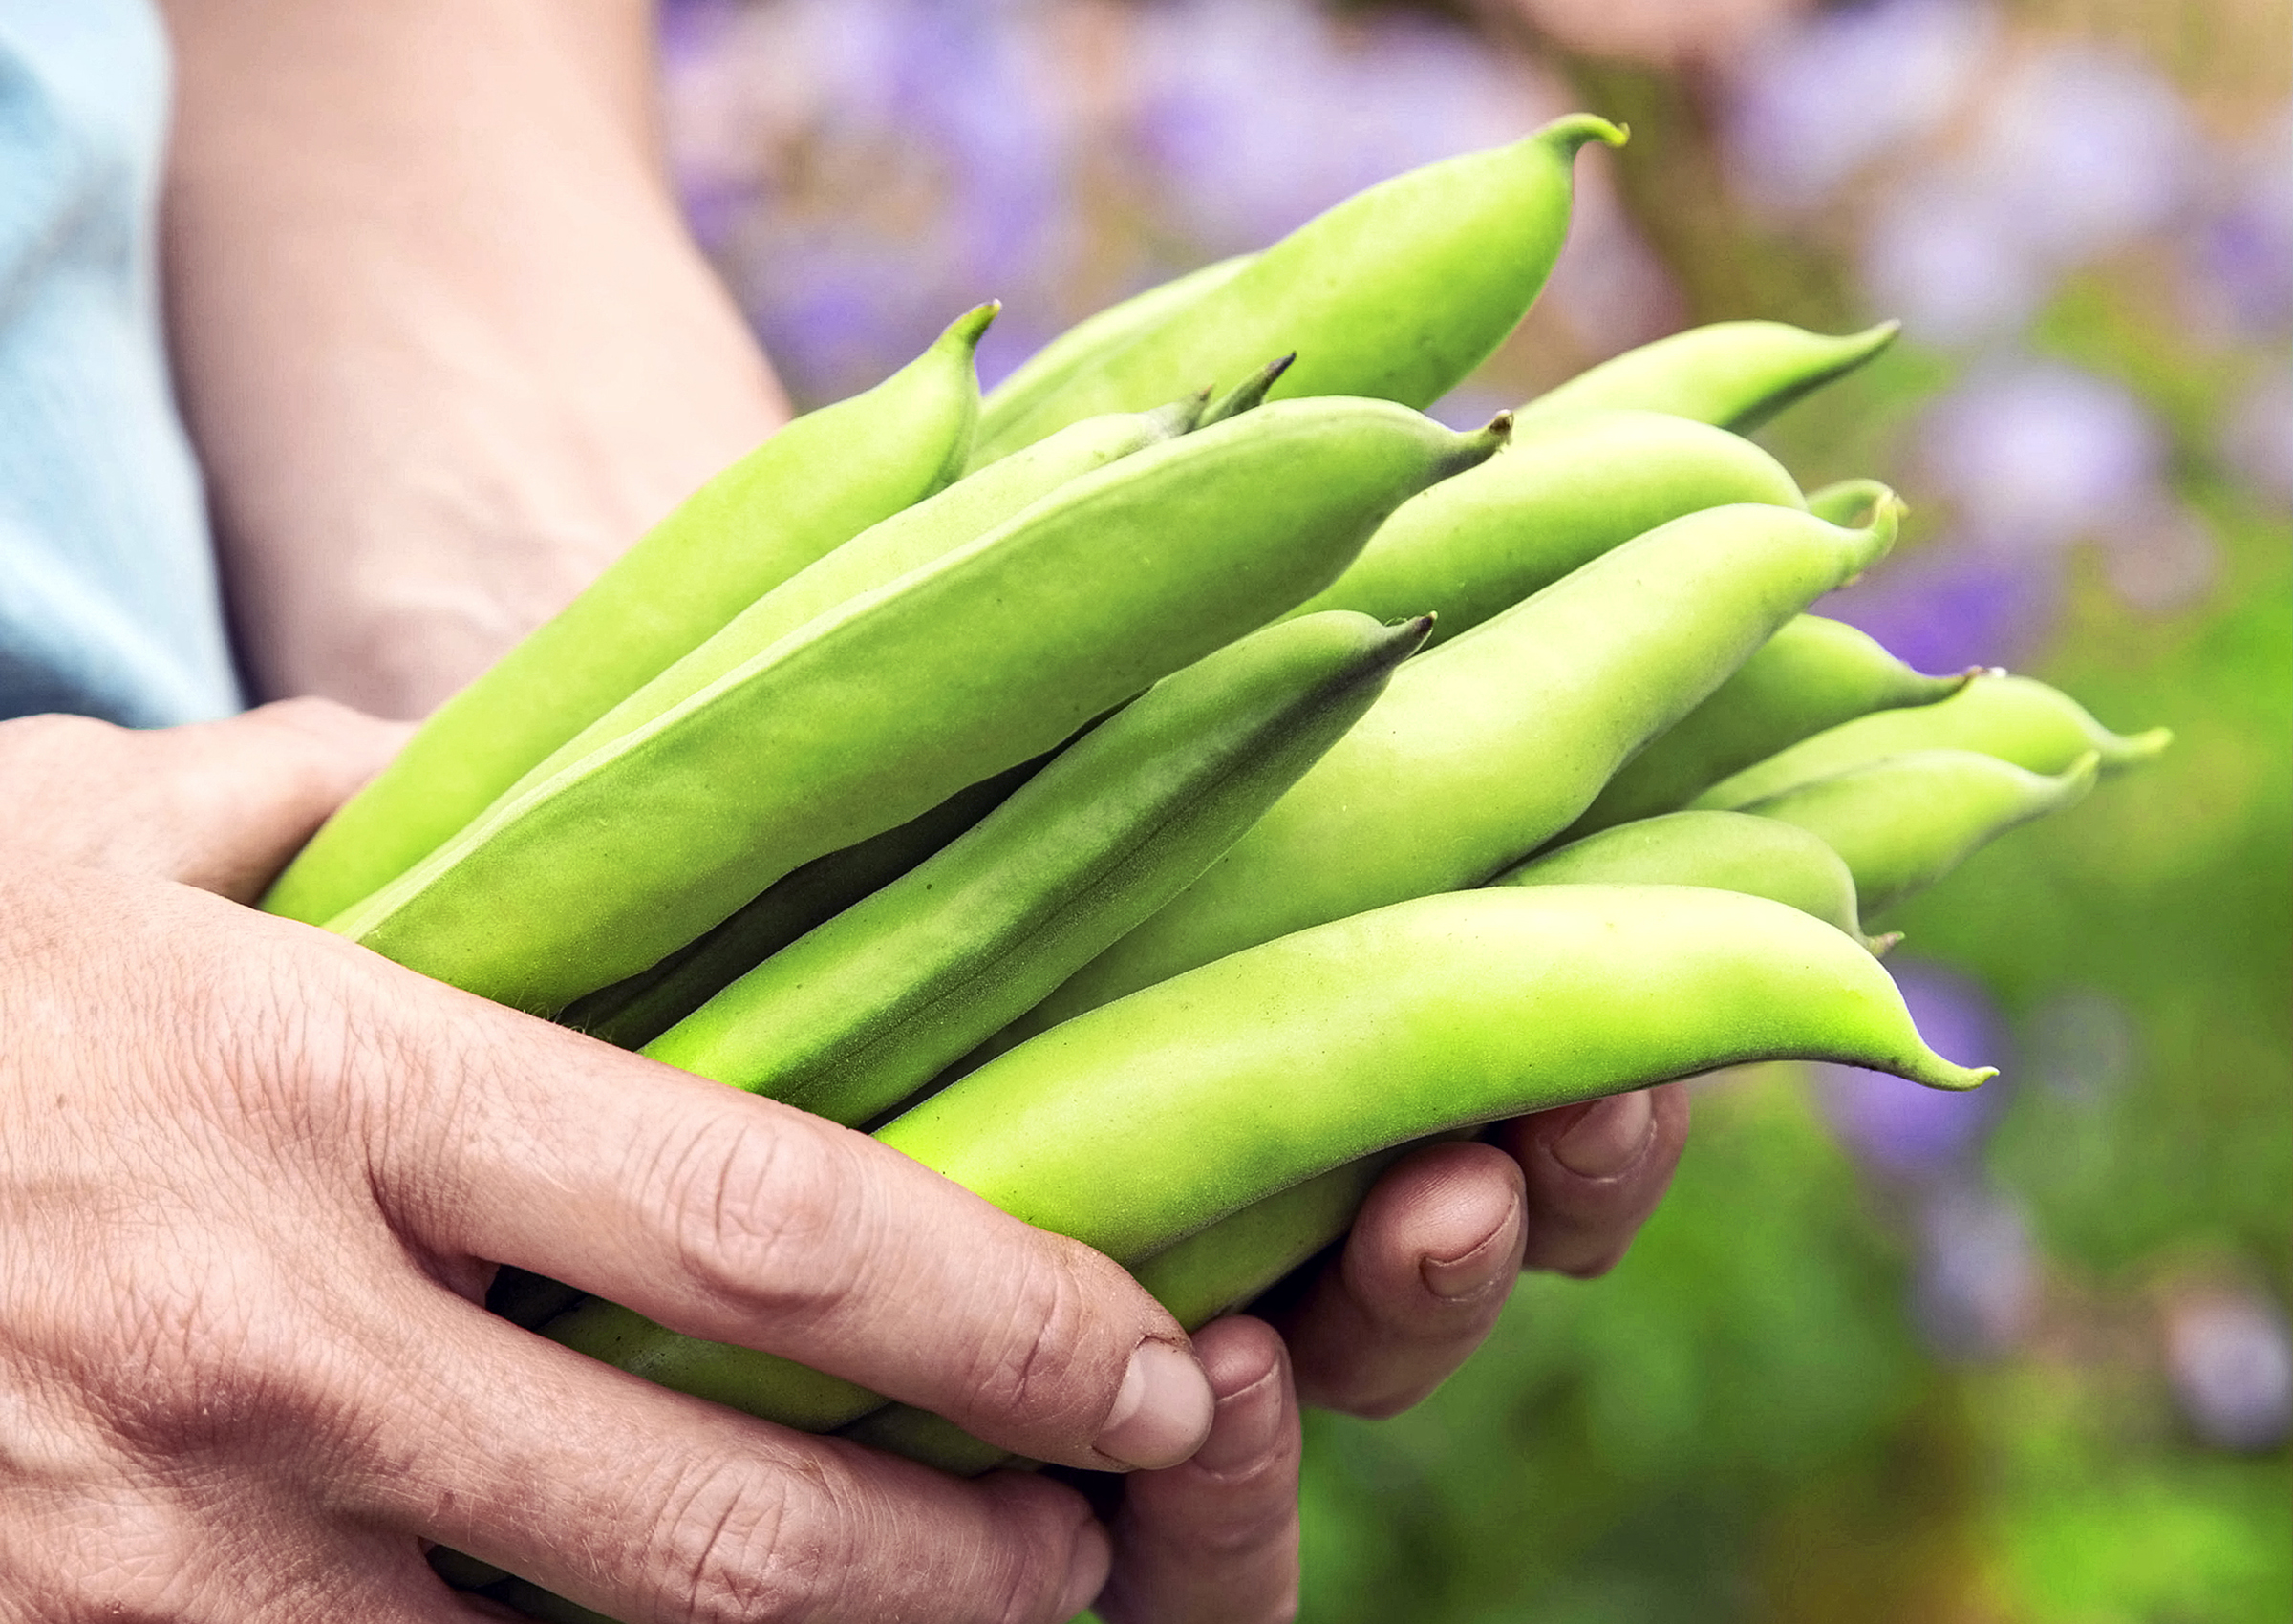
(2019, 1358)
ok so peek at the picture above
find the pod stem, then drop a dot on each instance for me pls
(1568, 134)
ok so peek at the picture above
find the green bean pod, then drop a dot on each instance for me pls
(632, 1013)
(886, 705)
(1812, 674)
(1904, 821)
(812, 487)
(747, 1379)
(1727, 851)
(1847, 501)
(907, 539)
(864, 1010)
(1564, 492)
(1736, 374)
(1146, 1120)
(1486, 747)
(1089, 342)
(1396, 292)
(2016, 718)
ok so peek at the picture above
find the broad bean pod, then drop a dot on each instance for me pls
(632, 1013)
(820, 741)
(1089, 342)
(1398, 292)
(812, 487)
(1735, 375)
(1486, 747)
(1728, 851)
(857, 1015)
(1143, 1122)
(1812, 674)
(907, 539)
(1904, 821)
(1568, 489)
(2017, 719)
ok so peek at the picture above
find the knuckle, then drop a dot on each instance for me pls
(733, 1547)
(1032, 1370)
(760, 1218)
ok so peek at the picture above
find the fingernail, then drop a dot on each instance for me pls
(1474, 1273)
(1087, 1574)
(1247, 1426)
(1163, 1411)
(1609, 1137)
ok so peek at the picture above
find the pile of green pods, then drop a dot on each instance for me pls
(1158, 794)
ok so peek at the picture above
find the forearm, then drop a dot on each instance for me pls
(443, 341)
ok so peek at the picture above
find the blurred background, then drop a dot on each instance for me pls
(2018, 1357)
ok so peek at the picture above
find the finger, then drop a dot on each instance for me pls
(1594, 1173)
(740, 1220)
(1422, 1278)
(1214, 1540)
(221, 806)
(244, 793)
(646, 1506)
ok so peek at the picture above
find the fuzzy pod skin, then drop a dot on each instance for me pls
(632, 1013)
(1904, 821)
(852, 1019)
(883, 708)
(1812, 674)
(1571, 488)
(2016, 718)
(1727, 851)
(811, 487)
(907, 539)
(1088, 343)
(1139, 1123)
(1735, 375)
(1398, 292)
(1485, 748)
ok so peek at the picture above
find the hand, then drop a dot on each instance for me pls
(1433, 1255)
(251, 1177)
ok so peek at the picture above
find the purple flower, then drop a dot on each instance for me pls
(1941, 253)
(2231, 1362)
(1954, 603)
(2239, 262)
(1976, 1288)
(2039, 453)
(1898, 1128)
(1813, 104)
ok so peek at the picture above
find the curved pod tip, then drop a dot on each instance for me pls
(1249, 393)
(966, 330)
(2136, 748)
(1570, 134)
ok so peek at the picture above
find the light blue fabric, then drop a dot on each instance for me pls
(108, 597)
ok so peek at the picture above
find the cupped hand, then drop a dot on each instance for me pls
(1433, 1255)
(253, 1181)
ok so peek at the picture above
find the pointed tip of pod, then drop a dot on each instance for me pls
(1568, 134)
(2133, 749)
(1932, 1071)
(1181, 416)
(1249, 393)
(1409, 635)
(2076, 778)
(1471, 449)
(1883, 944)
(1874, 538)
(966, 330)
(1875, 338)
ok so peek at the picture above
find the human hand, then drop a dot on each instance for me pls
(1436, 1248)
(253, 1179)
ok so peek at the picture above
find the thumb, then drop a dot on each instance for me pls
(220, 805)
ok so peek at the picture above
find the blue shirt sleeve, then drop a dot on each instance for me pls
(109, 604)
